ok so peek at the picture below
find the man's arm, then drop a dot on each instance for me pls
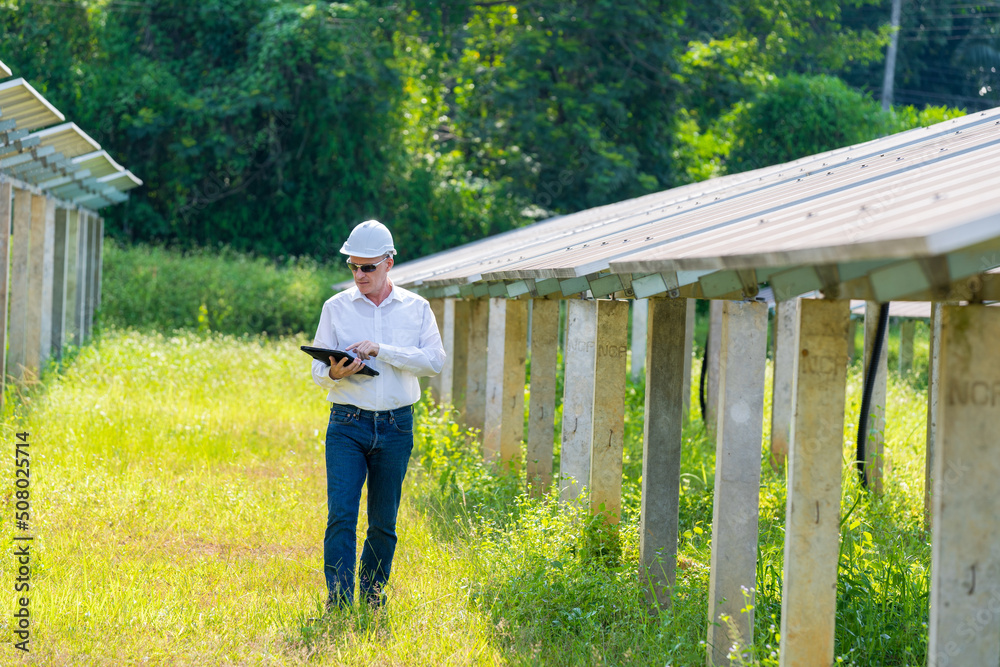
(328, 375)
(426, 357)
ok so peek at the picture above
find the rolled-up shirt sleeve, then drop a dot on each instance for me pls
(326, 337)
(425, 358)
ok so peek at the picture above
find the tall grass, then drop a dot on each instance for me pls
(179, 508)
(159, 289)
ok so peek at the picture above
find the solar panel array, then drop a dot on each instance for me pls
(912, 216)
(61, 159)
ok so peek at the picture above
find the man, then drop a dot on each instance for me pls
(371, 420)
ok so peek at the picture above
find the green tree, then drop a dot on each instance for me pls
(568, 105)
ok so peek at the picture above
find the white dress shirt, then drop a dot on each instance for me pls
(409, 346)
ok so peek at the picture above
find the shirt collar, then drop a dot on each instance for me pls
(356, 295)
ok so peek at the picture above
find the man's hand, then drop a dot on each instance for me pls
(364, 349)
(341, 369)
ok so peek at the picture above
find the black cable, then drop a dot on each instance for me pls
(866, 396)
(701, 383)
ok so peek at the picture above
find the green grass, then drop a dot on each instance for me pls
(179, 505)
(160, 289)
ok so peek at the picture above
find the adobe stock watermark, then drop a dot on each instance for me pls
(968, 631)
(880, 204)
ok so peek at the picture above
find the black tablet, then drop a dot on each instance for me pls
(322, 354)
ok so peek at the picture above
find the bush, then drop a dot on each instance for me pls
(153, 288)
(802, 115)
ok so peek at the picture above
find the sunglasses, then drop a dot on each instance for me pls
(365, 268)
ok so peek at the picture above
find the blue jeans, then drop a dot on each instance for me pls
(359, 444)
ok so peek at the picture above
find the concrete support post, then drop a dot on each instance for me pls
(475, 393)
(48, 275)
(906, 329)
(640, 310)
(608, 399)
(460, 354)
(733, 574)
(81, 278)
(542, 404)
(59, 282)
(965, 554)
(505, 364)
(812, 514)
(933, 397)
(714, 356)
(783, 386)
(72, 336)
(875, 438)
(688, 352)
(666, 357)
(435, 381)
(36, 287)
(578, 397)
(19, 285)
(5, 226)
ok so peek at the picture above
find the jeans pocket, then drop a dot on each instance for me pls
(403, 424)
(340, 416)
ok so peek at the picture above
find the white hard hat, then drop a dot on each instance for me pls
(369, 239)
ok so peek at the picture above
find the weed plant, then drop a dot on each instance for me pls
(179, 505)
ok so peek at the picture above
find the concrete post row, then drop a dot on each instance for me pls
(542, 402)
(875, 438)
(505, 368)
(54, 288)
(812, 519)
(961, 425)
(733, 573)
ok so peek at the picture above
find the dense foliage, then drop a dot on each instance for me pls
(273, 126)
(157, 289)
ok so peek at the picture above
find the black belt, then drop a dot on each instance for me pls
(375, 414)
